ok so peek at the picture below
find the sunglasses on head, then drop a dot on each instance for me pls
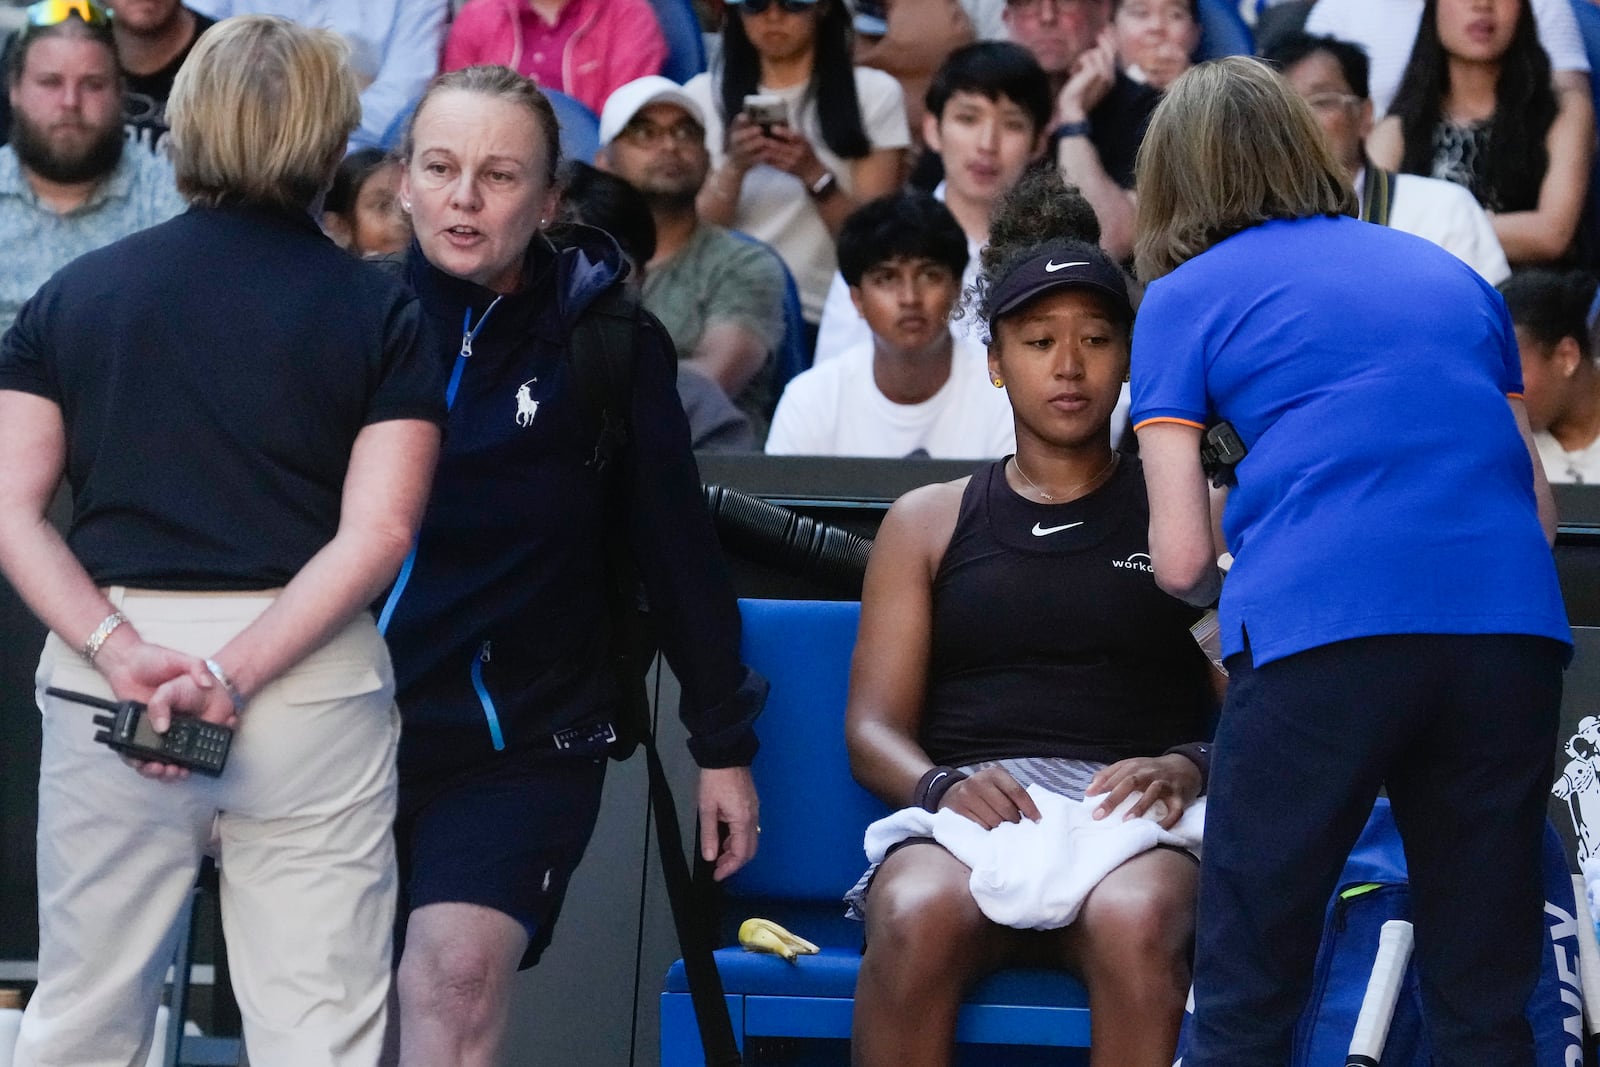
(756, 7)
(55, 12)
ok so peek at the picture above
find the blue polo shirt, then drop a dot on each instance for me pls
(1387, 489)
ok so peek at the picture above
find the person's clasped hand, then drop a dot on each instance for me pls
(990, 798)
(1173, 780)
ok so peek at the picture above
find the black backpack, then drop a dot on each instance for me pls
(602, 348)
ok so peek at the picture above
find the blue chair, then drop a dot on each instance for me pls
(580, 127)
(686, 49)
(813, 815)
(1223, 31)
(792, 354)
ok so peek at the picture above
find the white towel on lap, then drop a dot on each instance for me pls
(1035, 875)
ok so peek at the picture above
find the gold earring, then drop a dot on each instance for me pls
(998, 384)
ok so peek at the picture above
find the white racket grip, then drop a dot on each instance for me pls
(1588, 957)
(1383, 990)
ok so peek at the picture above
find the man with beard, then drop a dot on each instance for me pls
(66, 185)
(154, 37)
(720, 297)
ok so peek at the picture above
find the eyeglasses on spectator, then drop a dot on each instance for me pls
(642, 133)
(1029, 7)
(756, 7)
(55, 12)
(1328, 102)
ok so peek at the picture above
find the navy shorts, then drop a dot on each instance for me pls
(506, 837)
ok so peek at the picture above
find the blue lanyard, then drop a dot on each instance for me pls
(469, 333)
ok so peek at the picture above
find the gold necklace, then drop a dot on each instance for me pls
(1101, 473)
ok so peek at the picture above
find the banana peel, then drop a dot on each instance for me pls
(764, 935)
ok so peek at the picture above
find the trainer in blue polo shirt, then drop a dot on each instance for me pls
(1392, 618)
(1368, 378)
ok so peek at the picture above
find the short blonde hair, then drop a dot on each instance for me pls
(1228, 147)
(261, 111)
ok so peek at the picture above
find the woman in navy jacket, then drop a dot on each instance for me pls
(500, 622)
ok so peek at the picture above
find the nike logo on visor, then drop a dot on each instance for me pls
(1051, 266)
(1041, 530)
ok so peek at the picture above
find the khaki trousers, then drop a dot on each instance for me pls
(301, 822)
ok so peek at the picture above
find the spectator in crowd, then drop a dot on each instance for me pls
(68, 183)
(719, 296)
(1560, 383)
(505, 645)
(913, 390)
(988, 111)
(1395, 621)
(596, 198)
(918, 36)
(1100, 113)
(248, 420)
(828, 135)
(1156, 39)
(1387, 31)
(592, 197)
(584, 48)
(1331, 77)
(153, 37)
(394, 47)
(362, 209)
(1004, 643)
(1476, 107)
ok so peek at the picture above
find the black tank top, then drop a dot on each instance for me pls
(1050, 636)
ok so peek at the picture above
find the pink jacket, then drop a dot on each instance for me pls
(618, 41)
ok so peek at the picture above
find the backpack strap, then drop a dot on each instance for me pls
(1377, 195)
(603, 354)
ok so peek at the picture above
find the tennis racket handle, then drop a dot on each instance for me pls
(1383, 990)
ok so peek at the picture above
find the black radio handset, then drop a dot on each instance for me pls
(189, 742)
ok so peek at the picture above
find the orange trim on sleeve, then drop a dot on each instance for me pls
(1513, 396)
(1168, 418)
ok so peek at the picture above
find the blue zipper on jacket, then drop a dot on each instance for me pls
(469, 333)
(485, 699)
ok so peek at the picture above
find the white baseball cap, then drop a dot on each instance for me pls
(630, 99)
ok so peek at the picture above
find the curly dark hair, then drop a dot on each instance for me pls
(1524, 108)
(1039, 211)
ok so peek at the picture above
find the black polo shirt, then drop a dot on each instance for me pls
(213, 373)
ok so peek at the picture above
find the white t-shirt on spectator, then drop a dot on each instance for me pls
(1387, 29)
(836, 409)
(774, 205)
(1581, 467)
(988, 19)
(1451, 217)
(842, 327)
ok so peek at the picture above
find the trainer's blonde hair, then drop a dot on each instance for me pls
(1228, 147)
(261, 112)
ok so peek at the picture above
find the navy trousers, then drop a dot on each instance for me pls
(1461, 730)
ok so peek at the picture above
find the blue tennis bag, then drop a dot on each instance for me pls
(1372, 890)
